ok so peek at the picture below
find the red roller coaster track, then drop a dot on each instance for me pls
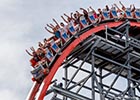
(42, 88)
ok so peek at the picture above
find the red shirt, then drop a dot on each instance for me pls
(33, 62)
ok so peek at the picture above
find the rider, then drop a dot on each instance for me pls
(35, 58)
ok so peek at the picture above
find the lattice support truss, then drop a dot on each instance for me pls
(103, 67)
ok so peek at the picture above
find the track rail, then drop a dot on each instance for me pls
(42, 88)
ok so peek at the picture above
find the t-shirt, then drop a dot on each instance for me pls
(57, 34)
(33, 62)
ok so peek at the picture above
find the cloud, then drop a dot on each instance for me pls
(8, 95)
(15, 70)
(7, 3)
(21, 26)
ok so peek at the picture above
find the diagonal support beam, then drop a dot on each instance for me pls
(69, 94)
(93, 47)
(123, 25)
(116, 63)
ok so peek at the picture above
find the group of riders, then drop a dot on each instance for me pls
(46, 52)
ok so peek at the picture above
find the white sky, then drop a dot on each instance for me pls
(22, 25)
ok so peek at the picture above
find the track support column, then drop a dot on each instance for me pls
(130, 83)
(93, 76)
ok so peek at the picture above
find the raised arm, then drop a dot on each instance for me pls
(56, 22)
(133, 9)
(130, 6)
(123, 7)
(119, 10)
(88, 9)
(83, 9)
(71, 15)
(91, 8)
(78, 14)
(121, 4)
(49, 30)
(28, 52)
(32, 48)
(64, 19)
(66, 15)
(50, 26)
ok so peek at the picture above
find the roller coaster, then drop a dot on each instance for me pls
(100, 62)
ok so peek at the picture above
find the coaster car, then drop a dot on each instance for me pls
(128, 13)
(64, 36)
(49, 55)
(71, 29)
(54, 46)
(113, 13)
(137, 14)
(105, 15)
(40, 71)
(83, 22)
(91, 17)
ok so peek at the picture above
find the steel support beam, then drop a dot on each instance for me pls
(93, 76)
(69, 94)
(90, 52)
(93, 47)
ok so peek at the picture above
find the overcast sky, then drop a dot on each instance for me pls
(22, 25)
